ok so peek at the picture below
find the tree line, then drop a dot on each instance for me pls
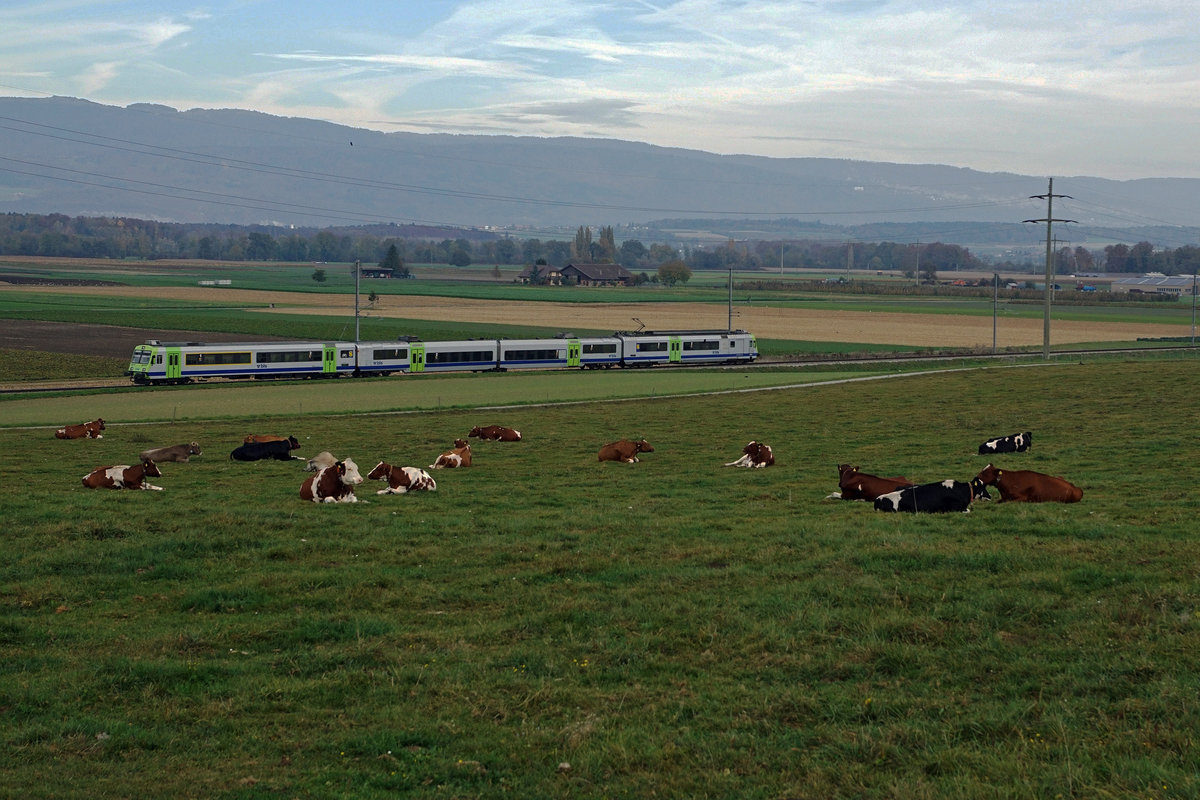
(58, 235)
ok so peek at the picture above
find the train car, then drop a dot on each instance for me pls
(648, 348)
(184, 362)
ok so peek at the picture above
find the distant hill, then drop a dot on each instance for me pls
(75, 157)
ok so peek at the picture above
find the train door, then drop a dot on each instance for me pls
(416, 358)
(174, 360)
(329, 360)
(573, 349)
(674, 350)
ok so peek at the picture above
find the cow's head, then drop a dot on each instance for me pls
(461, 443)
(293, 443)
(99, 423)
(475, 432)
(979, 489)
(379, 471)
(194, 449)
(643, 446)
(987, 476)
(845, 471)
(150, 469)
(348, 473)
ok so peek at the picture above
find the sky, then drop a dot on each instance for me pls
(1107, 88)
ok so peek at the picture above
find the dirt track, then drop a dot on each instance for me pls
(924, 330)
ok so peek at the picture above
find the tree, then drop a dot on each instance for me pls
(632, 252)
(673, 272)
(318, 275)
(581, 248)
(460, 257)
(392, 261)
(605, 250)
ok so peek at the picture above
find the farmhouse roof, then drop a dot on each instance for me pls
(600, 272)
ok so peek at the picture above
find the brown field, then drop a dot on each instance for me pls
(921, 330)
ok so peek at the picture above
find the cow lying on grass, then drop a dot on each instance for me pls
(755, 454)
(854, 484)
(84, 430)
(928, 498)
(176, 452)
(402, 479)
(334, 484)
(1023, 486)
(123, 476)
(625, 450)
(460, 456)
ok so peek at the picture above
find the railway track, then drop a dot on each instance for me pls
(88, 384)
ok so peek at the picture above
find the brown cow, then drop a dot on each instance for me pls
(755, 454)
(402, 479)
(496, 432)
(625, 450)
(856, 485)
(84, 430)
(1023, 486)
(333, 484)
(460, 456)
(269, 437)
(123, 476)
(176, 452)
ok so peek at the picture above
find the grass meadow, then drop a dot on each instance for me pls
(544, 625)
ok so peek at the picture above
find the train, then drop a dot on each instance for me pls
(157, 362)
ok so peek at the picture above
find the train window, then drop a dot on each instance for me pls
(530, 355)
(201, 359)
(599, 349)
(702, 345)
(457, 357)
(651, 346)
(395, 353)
(289, 356)
(347, 354)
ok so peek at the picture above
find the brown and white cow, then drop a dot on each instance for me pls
(123, 476)
(460, 456)
(176, 452)
(625, 450)
(333, 484)
(402, 479)
(496, 432)
(84, 430)
(755, 454)
(270, 437)
(1024, 486)
(854, 484)
(320, 461)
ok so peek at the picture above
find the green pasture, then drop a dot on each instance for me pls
(268, 399)
(548, 626)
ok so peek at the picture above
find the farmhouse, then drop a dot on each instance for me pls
(547, 275)
(598, 274)
(376, 272)
(1155, 283)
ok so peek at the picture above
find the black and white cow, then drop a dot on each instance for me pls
(256, 451)
(928, 498)
(1013, 443)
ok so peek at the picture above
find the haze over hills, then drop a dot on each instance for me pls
(79, 158)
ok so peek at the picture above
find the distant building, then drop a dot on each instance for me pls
(598, 274)
(548, 275)
(1155, 283)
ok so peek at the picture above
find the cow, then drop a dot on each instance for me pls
(402, 479)
(176, 452)
(755, 454)
(854, 484)
(333, 484)
(123, 476)
(268, 437)
(84, 430)
(928, 498)
(496, 432)
(1013, 443)
(256, 451)
(460, 456)
(625, 450)
(1023, 486)
(320, 461)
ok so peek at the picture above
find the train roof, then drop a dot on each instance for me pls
(720, 332)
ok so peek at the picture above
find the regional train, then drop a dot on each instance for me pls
(158, 362)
